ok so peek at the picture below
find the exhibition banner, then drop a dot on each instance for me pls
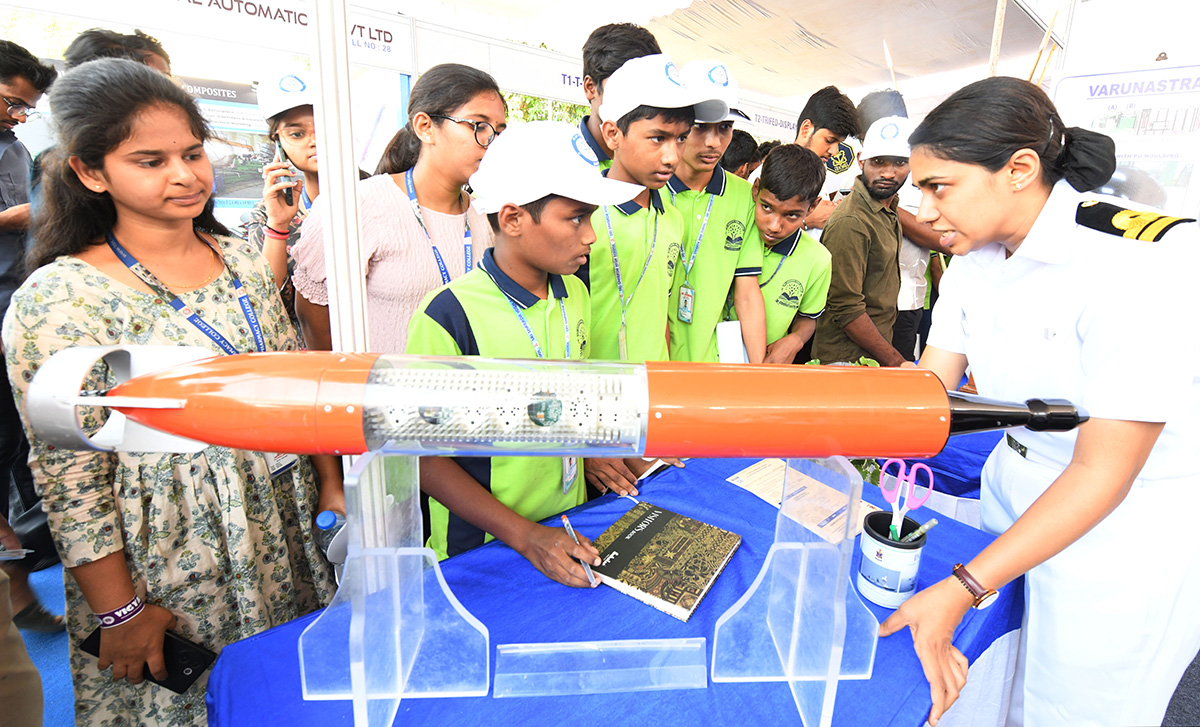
(1154, 118)
(376, 38)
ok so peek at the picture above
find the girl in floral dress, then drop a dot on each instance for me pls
(214, 546)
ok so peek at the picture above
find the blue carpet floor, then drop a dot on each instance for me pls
(49, 652)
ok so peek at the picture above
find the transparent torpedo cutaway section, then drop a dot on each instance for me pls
(510, 407)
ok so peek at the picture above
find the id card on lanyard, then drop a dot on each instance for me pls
(622, 345)
(570, 465)
(437, 255)
(687, 294)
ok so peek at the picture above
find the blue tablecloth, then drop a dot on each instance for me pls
(256, 681)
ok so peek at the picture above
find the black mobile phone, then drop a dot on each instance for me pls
(289, 193)
(185, 661)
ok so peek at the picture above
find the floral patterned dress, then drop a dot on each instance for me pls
(212, 537)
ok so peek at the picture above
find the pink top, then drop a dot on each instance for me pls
(400, 267)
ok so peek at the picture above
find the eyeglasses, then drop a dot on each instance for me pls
(19, 109)
(485, 133)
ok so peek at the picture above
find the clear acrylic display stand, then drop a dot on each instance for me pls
(394, 629)
(596, 667)
(802, 621)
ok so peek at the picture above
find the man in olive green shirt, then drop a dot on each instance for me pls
(863, 236)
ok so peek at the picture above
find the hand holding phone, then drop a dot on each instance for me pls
(281, 155)
(185, 661)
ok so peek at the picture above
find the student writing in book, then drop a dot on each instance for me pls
(539, 186)
(647, 114)
(716, 257)
(796, 268)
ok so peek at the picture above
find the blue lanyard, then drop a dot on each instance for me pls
(768, 280)
(537, 347)
(180, 307)
(612, 247)
(691, 260)
(305, 201)
(416, 207)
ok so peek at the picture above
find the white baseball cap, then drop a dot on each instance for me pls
(281, 93)
(656, 81)
(716, 78)
(529, 161)
(887, 137)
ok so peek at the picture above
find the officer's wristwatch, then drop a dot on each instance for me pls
(984, 597)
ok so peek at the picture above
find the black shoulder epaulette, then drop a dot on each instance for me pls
(1134, 224)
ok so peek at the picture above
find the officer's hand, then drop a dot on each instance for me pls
(932, 615)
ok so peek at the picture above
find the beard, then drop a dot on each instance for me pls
(881, 190)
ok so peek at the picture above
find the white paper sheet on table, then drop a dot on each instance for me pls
(823, 509)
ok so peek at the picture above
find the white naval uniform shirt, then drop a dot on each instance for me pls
(1078, 314)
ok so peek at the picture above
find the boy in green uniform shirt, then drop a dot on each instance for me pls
(796, 268)
(647, 114)
(606, 50)
(629, 272)
(715, 253)
(539, 186)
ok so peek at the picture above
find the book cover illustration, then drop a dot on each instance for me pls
(664, 559)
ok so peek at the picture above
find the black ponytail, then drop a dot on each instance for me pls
(1088, 159)
(94, 107)
(988, 121)
(442, 90)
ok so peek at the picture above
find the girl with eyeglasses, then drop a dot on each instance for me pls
(214, 546)
(418, 228)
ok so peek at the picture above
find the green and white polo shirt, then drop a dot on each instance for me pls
(725, 252)
(794, 280)
(472, 317)
(643, 238)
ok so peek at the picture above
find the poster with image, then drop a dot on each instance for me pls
(1154, 118)
(239, 147)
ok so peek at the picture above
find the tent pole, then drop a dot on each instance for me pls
(339, 175)
(997, 34)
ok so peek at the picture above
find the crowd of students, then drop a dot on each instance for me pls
(631, 237)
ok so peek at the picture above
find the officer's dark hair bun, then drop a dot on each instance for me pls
(1088, 159)
(988, 121)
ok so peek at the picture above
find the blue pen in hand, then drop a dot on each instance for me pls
(586, 568)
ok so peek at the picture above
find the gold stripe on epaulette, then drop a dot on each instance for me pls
(1155, 229)
(1133, 223)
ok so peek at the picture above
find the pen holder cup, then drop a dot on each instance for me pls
(887, 574)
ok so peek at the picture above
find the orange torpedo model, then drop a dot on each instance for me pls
(182, 399)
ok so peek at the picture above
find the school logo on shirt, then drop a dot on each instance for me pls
(672, 255)
(735, 231)
(790, 294)
(841, 159)
(581, 338)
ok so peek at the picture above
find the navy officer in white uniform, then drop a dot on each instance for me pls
(1049, 296)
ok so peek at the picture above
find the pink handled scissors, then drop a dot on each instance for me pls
(905, 489)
